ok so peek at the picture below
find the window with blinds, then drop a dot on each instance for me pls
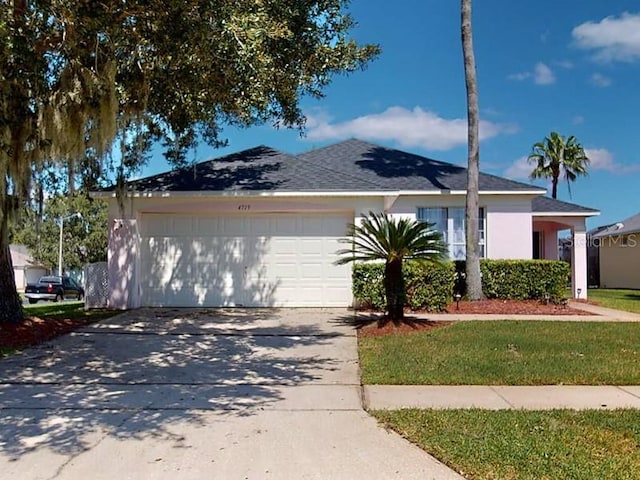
(450, 222)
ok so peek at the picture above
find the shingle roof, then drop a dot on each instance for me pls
(626, 226)
(255, 169)
(364, 164)
(550, 205)
(351, 165)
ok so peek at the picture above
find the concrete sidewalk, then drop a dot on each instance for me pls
(596, 314)
(548, 397)
(609, 313)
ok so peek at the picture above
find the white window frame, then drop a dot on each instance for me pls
(449, 234)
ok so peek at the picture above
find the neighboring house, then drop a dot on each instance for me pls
(619, 250)
(262, 227)
(25, 270)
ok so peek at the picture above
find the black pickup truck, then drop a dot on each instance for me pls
(53, 288)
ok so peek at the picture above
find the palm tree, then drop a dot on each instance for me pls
(381, 237)
(556, 155)
(472, 263)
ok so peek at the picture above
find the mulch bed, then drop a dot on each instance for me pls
(35, 330)
(409, 325)
(377, 326)
(513, 307)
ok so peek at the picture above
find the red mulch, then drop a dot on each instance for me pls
(35, 330)
(373, 327)
(513, 307)
(409, 325)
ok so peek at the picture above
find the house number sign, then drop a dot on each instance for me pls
(244, 207)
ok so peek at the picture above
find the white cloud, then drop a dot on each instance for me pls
(612, 38)
(600, 80)
(603, 159)
(409, 128)
(564, 64)
(577, 120)
(519, 76)
(543, 75)
(600, 159)
(520, 169)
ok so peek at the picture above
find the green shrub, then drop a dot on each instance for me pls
(524, 279)
(428, 286)
(519, 279)
(368, 286)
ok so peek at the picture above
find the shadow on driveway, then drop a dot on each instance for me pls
(133, 376)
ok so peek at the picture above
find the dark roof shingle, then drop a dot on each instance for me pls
(550, 205)
(365, 164)
(351, 165)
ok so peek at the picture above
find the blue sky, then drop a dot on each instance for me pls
(572, 67)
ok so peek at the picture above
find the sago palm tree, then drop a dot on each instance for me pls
(381, 237)
(556, 156)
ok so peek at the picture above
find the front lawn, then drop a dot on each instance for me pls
(516, 444)
(506, 353)
(627, 300)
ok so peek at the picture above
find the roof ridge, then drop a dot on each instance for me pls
(342, 172)
(415, 155)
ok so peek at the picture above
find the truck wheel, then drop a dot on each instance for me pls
(58, 298)
(33, 300)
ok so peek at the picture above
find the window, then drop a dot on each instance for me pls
(450, 222)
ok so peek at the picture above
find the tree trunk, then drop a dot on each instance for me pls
(474, 280)
(554, 187)
(10, 305)
(394, 290)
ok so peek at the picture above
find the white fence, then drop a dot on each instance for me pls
(96, 285)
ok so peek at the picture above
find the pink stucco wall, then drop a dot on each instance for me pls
(122, 261)
(509, 230)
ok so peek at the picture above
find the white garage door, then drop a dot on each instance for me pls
(248, 260)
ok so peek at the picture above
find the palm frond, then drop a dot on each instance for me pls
(381, 237)
(556, 155)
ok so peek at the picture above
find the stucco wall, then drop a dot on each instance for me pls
(619, 265)
(508, 223)
(509, 228)
(508, 218)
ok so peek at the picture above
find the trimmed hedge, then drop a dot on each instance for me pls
(428, 286)
(519, 279)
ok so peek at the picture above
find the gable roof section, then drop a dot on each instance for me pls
(625, 227)
(348, 166)
(548, 205)
(362, 164)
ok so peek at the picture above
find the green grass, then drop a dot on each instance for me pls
(506, 353)
(73, 310)
(6, 351)
(627, 300)
(516, 444)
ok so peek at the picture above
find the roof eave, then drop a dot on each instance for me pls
(303, 193)
(566, 214)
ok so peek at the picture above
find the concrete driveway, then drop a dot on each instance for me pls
(195, 394)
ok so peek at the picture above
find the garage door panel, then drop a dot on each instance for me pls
(253, 260)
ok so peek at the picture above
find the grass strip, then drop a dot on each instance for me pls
(515, 444)
(506, 353)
